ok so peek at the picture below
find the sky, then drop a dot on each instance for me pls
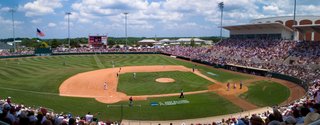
(146, 18)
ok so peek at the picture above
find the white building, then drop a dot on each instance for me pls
(188, 41)
(147, 42)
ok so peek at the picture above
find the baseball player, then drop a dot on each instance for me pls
(228, 86)
(105, 86)
(181, 94)
(130, 101)
(134, 75)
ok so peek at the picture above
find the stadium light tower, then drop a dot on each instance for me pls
(221, 6)
(13, 32)
(126, 23)
(68, 14)
(294, 17)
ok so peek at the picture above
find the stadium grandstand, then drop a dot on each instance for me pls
(307, 28)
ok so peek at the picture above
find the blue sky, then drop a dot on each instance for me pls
(147, 18)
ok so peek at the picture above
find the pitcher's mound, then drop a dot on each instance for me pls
(165, 80)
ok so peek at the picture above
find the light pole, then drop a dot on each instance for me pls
(68, 14)
(13, 32)
(294, 17)
(221, 5)
(126, 23)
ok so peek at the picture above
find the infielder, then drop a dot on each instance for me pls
(105, 85)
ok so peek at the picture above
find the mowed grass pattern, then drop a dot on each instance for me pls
(201, 105)
(35, 81)
(266, 93)
(145, 83)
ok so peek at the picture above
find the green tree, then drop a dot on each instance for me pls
(55, 43)
(44, 45)
(192, 42)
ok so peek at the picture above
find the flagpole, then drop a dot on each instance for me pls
(37, 36)
(68, 14)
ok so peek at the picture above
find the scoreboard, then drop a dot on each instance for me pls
(98, 41)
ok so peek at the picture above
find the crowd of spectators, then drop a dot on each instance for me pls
(307, 53)
(17, 53)
(271, 55)
(18, 114)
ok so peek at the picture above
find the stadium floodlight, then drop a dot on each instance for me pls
(13, 32)
(126, 23)
(294, 17)
(68, 14)
(221, 6)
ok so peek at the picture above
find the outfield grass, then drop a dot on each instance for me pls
(266, 93)
(45, 74)
(219, 75)
(201, 105)
(145, 83)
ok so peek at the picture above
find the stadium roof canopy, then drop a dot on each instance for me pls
(189, 39)
(147, 41)
(307, 28)
(257, 26)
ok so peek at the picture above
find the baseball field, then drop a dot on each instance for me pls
(75, 84)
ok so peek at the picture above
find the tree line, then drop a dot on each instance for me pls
(75, 42)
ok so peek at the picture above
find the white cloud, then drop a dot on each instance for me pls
(309, 9)
(147, 17)
(40, 7)
(185, 26)
(5, 9)
(52, 24)
(36, 21)
(9, 21)
(113, 9)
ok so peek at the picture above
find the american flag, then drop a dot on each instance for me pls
(39, 33)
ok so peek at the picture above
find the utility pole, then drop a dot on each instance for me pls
(294, 18)
(126, 23)
(68, 14)
(221, 6)
(13, 32)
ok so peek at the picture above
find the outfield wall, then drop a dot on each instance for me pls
(91, 53)
(18, 56)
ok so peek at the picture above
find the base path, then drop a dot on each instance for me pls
(91, 84)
